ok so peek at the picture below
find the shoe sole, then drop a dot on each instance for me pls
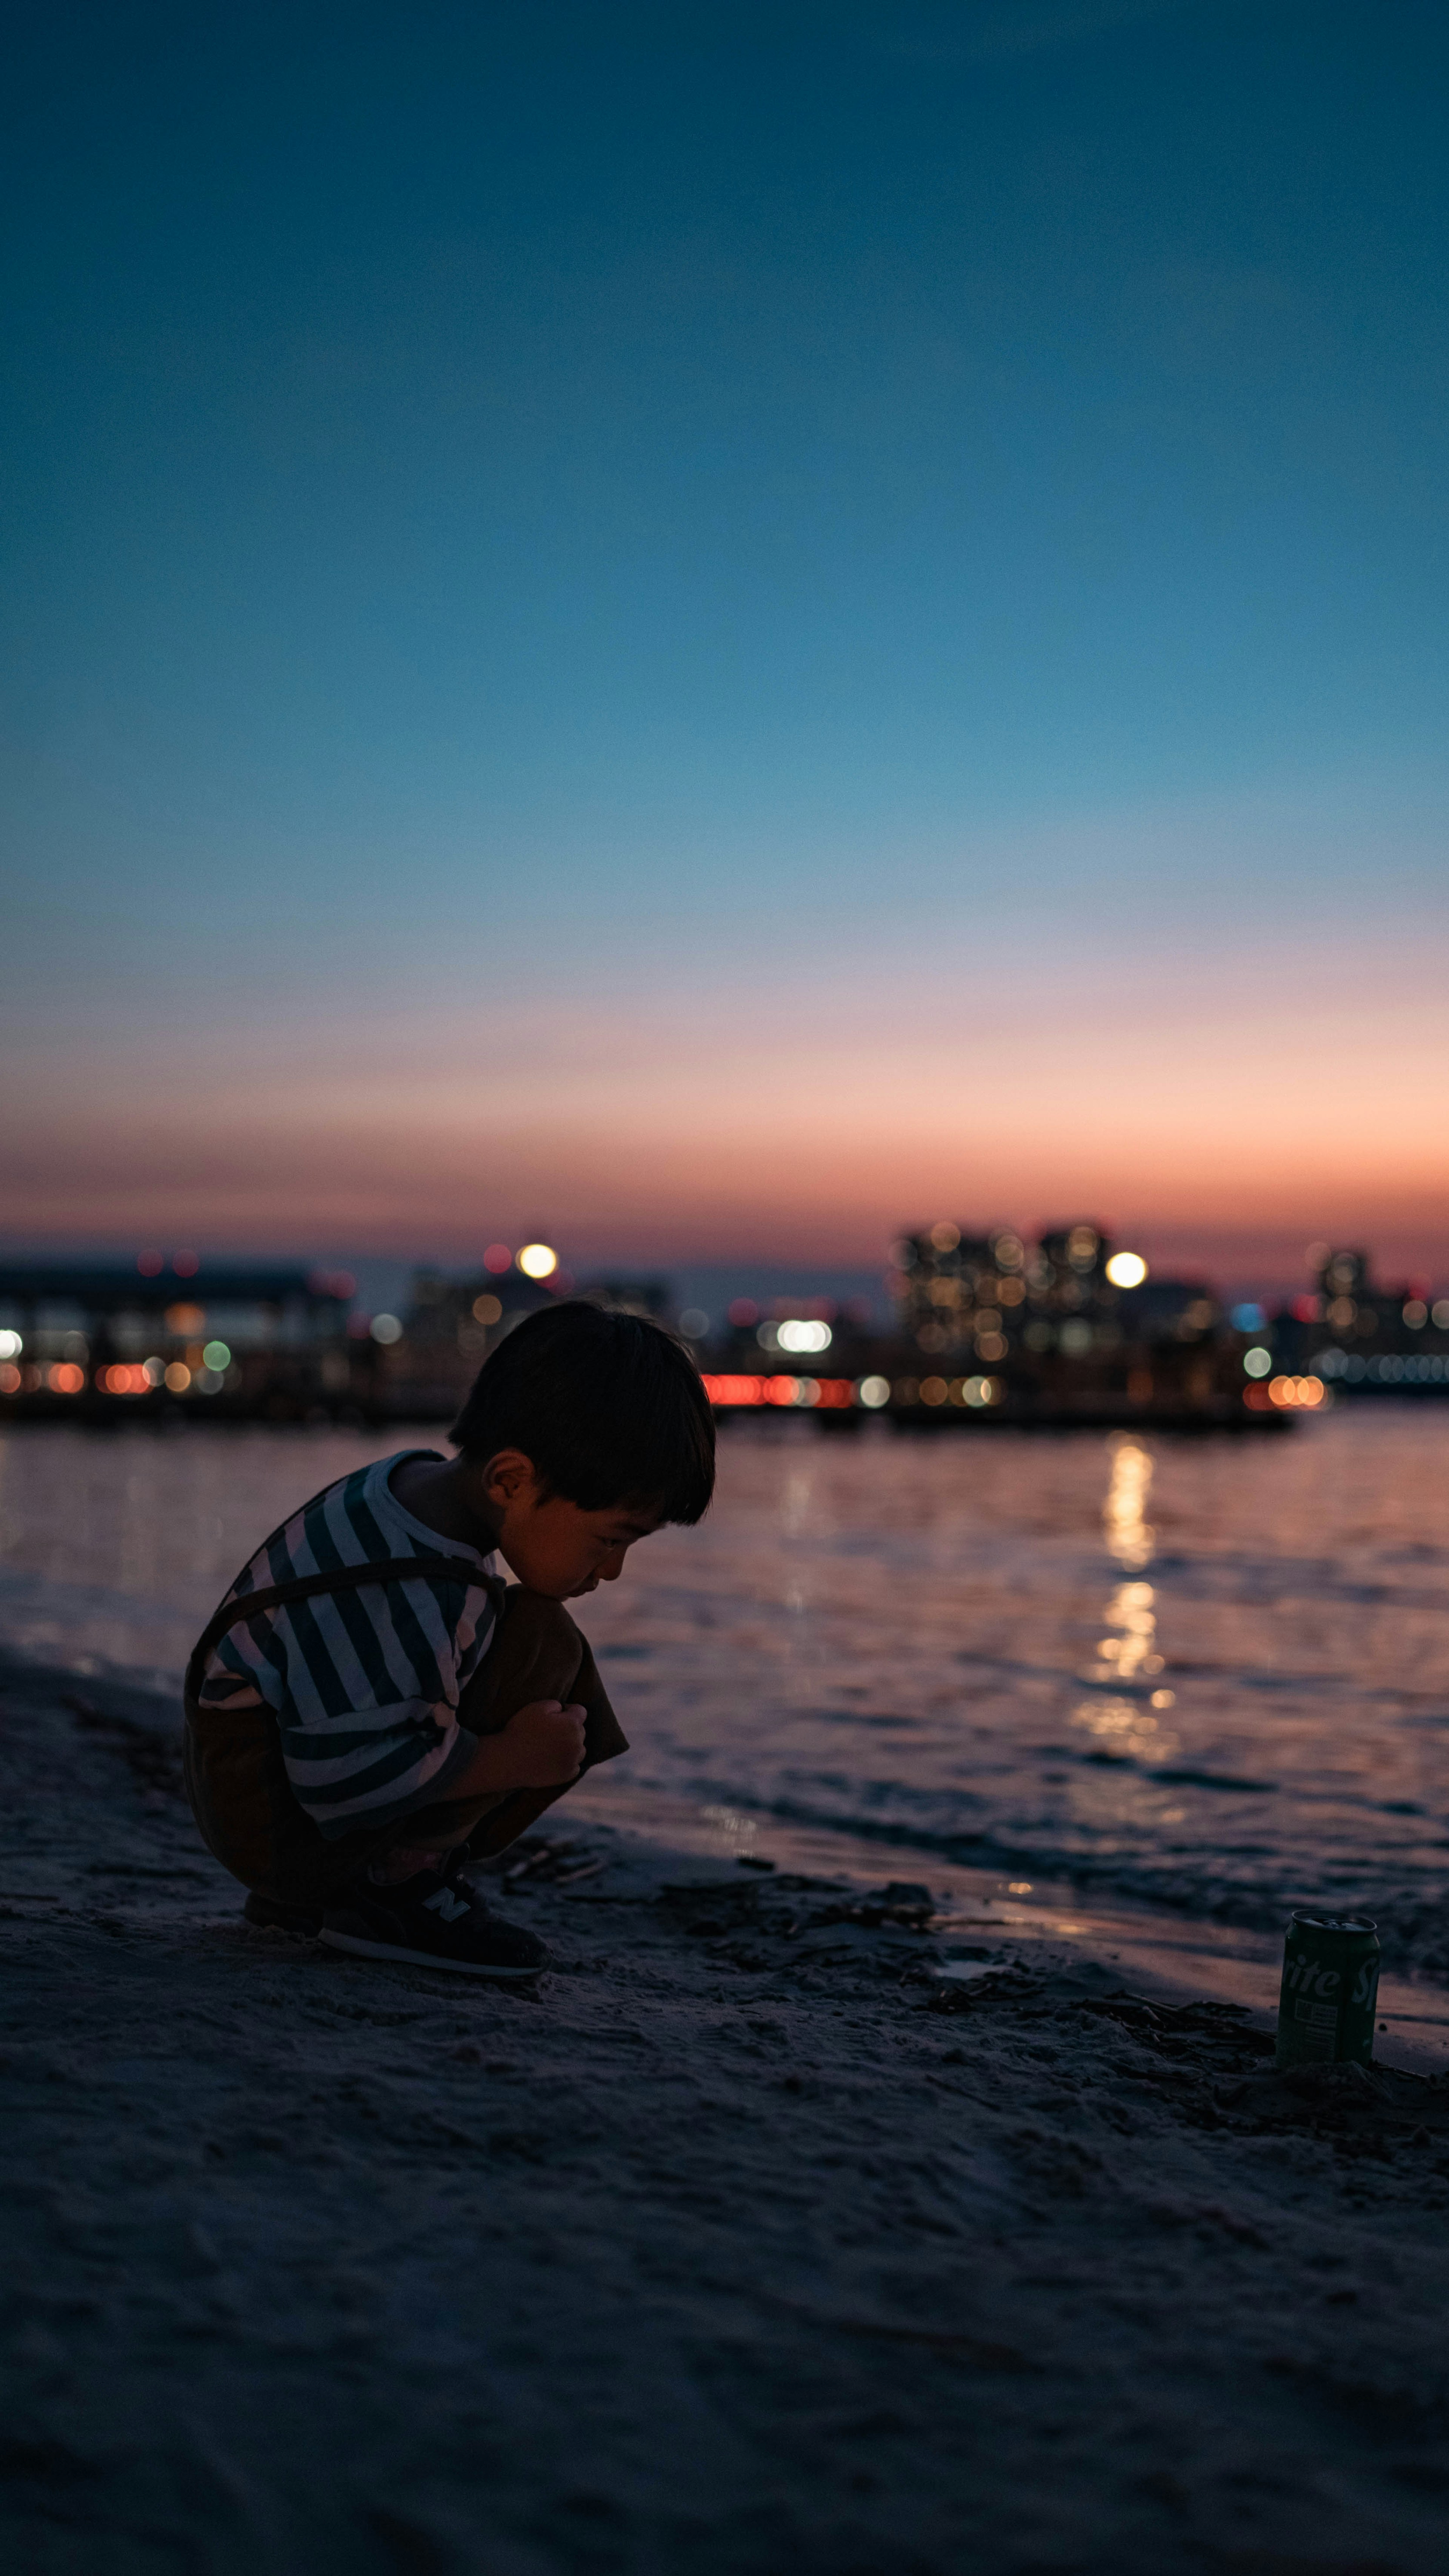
(361, 1949)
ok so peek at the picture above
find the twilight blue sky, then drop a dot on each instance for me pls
(719, 627)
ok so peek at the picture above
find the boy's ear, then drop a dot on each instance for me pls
(510, 1477)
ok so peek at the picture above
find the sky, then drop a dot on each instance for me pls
(709, 632)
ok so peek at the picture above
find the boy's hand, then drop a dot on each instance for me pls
(543, 1744)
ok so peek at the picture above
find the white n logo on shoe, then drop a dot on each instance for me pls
(446, 1904)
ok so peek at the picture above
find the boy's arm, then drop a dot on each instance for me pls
(541, 1747)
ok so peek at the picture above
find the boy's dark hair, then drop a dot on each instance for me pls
(608, 1408)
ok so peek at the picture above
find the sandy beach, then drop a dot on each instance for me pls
(748, 2240)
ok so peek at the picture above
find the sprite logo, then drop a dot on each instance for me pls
(1305, 1977)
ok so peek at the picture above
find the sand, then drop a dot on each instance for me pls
(748, 2240)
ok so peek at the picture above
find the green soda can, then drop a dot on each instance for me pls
(1330, 1990)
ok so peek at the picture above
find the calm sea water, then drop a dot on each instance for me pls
(1211, 1673)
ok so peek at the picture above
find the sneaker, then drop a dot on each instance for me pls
(269, 1916)
(431, 1921)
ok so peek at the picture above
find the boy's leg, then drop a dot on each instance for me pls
(537, 1653)
(410, 1902)
(249, 1817)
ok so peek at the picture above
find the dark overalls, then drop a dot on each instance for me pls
(247, 1810)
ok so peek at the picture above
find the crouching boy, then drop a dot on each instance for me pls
(371, 1707)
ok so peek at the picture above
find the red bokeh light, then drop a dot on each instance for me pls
(744, 1311)
(185, 1264)
(734, 1390)
(498, 1257)
(778, 1390)
(125, 1378)
(150, 1265)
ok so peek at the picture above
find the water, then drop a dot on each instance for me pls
(1214, 1674)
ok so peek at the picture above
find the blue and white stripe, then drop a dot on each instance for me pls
(364, 1684)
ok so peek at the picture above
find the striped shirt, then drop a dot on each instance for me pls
(364, 1685)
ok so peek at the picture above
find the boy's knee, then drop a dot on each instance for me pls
(531, 1615)
(537, 1637)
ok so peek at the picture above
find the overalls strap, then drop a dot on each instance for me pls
(341, 1578)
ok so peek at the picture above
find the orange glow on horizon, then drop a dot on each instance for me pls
(1213, 1123)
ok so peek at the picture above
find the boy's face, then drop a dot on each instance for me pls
(552, 1545)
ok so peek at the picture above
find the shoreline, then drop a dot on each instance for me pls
(1162, 1948)
(744, 2242)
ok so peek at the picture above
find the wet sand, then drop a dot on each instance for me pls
(797, 2221)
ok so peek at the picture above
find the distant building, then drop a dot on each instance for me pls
(449, 1328)
(1169, 1310)
(1345, 1296)
(451, 1325)
(1360, 1335)
(987, 1297)
(958, 1294)
(152, 1335)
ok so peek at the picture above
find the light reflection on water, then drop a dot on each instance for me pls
(1129, 1729)
(979, 1646)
